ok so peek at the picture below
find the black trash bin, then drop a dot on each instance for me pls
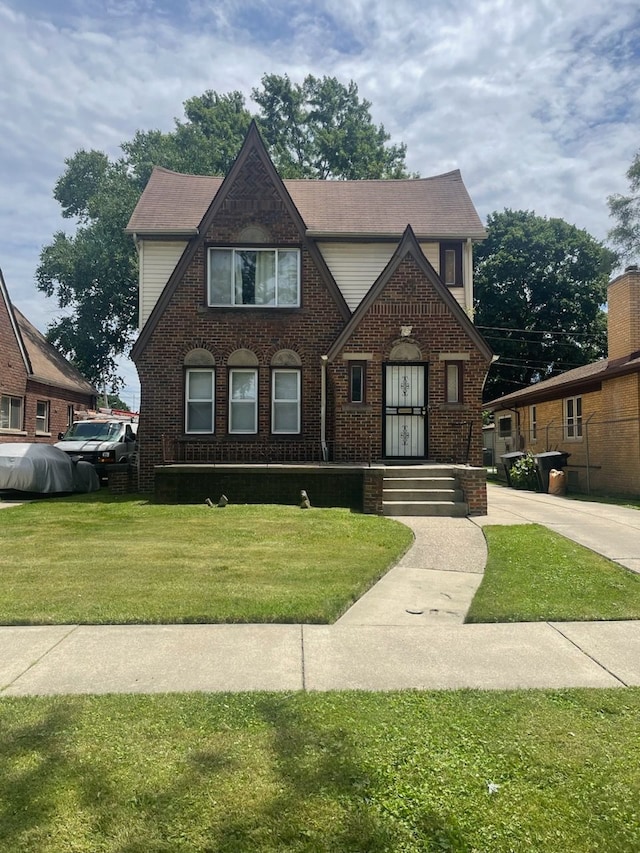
(545, 462)
(507, 460)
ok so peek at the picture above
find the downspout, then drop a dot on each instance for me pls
(467, 278)
(323, 407)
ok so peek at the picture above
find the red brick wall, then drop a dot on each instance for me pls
(187, 324)
(409, 298)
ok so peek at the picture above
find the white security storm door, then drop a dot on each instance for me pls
(405, 411)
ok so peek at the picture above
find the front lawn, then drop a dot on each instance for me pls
(533, 575)
(96, 559)
(450, 771)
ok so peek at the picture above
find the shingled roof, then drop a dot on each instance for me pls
(438, 207)
(47, 365)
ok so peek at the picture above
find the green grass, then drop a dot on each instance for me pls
(322, 772)
(96, 559)
(534, 574)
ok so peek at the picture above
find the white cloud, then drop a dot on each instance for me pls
(536, 102)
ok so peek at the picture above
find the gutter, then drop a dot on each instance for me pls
(323, 407)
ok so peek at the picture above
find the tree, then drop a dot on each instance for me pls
(540, 286)
(625, 210)
(317, 129)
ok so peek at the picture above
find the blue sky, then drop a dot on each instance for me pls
(536, 101)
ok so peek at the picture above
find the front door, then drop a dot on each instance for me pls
(405, 411)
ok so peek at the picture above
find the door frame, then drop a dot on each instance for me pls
(425, 406)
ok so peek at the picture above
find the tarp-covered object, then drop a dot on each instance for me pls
(43, 468)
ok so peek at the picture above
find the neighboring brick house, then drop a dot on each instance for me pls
(306, 321)
(39, 389)
(591, 412)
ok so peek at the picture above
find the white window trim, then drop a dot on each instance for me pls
(188, 400)
(533, 423)
(253, 402)
(232, 303)
(274, 401)
(573, 422)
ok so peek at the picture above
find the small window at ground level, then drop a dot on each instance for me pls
(243, 400)
(199, 400)
(357, 381)
(42, 416)
(573, 418)
(504, 426)
(10, 412)
(285, 401)
(453, 381)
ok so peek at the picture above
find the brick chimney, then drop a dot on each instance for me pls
(623, 325)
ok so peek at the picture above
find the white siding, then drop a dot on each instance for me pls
(356, 266)
(157, 261)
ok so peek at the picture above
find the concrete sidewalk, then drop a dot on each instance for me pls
(407, 632)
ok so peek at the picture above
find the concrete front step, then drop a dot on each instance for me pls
(426, 490)
(418, 493)
(447, 509)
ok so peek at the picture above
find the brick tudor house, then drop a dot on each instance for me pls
(591, 412)
(303, 321)
(39, 389)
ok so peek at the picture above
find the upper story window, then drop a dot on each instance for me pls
(259, 277)
(10, 412)
(451, 264)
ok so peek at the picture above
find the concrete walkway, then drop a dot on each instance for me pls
(407, 632)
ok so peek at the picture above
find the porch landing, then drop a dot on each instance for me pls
(379, 488)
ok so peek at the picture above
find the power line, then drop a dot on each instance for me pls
(537, 331)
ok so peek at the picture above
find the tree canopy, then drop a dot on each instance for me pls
(625, 210)
(317, 129)
(540, 287)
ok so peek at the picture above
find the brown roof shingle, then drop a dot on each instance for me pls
(437, 207)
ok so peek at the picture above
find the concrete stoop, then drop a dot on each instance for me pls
(427, 490)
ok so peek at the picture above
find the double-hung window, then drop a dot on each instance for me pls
(243, 400)
(200, 399)
(10, 412)
(42, 416)
(573, 418)
(254, 277)
(285, 401)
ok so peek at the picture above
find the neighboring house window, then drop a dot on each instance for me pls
(451, 264)
(285, 401)
(573, 418)
(504, 426)
(453, 381)
(10, 412)
(357, 381)
(199, 400)
(533, 423)
(42, 416)
(262, 277)
(243, 400)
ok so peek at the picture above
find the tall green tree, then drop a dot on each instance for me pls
(625, 210)
(317, 129)
(540, 287)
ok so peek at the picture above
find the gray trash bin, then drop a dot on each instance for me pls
(507, 460)
(546, 462)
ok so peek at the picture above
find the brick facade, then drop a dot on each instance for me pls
(254, 197)
(18, 380)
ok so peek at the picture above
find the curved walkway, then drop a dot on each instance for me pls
(407, 632)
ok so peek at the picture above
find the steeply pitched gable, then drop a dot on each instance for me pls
(14, 339)
(235, 189)
(409, 247)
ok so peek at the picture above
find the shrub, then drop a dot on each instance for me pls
(524, 473)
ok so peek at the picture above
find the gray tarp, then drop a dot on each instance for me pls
(43, 468)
